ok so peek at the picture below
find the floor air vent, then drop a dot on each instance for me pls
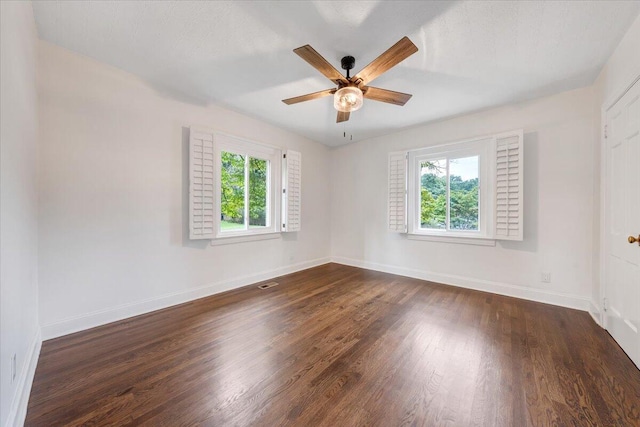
(268, 285)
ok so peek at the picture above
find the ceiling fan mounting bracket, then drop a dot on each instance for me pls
(347, 63)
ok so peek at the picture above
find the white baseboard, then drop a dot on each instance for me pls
(102, 317)
(18, 409)
(594, 311)
(538, 295)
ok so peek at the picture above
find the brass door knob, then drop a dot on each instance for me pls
(633, 239)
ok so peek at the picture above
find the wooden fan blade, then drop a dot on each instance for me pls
(384, 95)
(342, 117)
(391, 57)
(309, 96)
(316, 60)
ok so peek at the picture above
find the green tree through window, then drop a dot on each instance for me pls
(463, 194)
(257, 192)
(232, 191)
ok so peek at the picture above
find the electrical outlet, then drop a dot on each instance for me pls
(545, 277)
(13, 368)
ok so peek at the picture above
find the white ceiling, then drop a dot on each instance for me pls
(238, 54)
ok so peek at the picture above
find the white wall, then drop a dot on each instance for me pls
(18, 208)
(113, 198)
(621, 69)
(559, 178)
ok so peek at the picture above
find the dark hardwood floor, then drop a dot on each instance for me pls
(340, 346)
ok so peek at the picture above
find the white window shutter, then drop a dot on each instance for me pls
(292, 191)
(201, 182)
(397, 209)
(509, 186)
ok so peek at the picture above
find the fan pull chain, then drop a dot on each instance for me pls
(344, 131)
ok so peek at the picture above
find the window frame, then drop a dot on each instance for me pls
(483, 148)
(273, 155)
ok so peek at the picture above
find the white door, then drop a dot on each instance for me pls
(622, 222)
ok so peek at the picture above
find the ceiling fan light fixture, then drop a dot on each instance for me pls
(348, 99)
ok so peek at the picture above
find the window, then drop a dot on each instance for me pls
(448, 191)
(243, 206)
(470, 189)
(235, 188)
(448, 195)
(246, 174)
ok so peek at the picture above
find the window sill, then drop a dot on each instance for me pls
(465, 240)
(242, 239)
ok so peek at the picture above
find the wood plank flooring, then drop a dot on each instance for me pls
(340, 346)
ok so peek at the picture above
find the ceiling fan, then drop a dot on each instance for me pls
(349, 94)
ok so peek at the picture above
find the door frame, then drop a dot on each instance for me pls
(604, 161)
